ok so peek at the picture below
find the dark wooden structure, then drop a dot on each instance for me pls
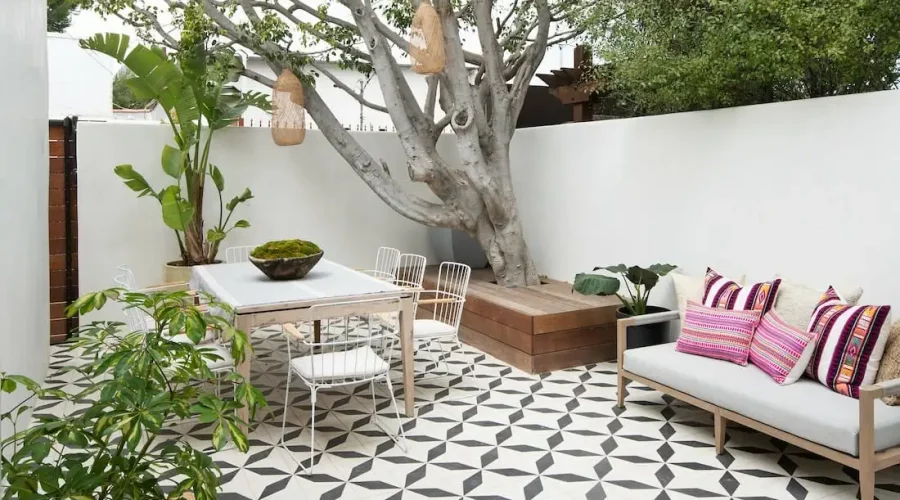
(537, 328)
(62, 215)
(569, 85)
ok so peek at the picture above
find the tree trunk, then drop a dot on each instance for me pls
(508, 253)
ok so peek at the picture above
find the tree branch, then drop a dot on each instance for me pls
(343, 86)
(532, 58)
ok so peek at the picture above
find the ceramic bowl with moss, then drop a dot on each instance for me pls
(286, 259)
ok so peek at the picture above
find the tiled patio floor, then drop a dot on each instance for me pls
(553, 436)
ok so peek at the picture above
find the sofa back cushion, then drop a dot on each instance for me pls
(717, 333)
(724, 293)
(780, 349)
(850, 343)
(796, 302)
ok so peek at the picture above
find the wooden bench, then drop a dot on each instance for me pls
(537, 328)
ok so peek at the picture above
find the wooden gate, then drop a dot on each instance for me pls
(63, 222)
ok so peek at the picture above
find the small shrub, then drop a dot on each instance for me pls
(285, 249)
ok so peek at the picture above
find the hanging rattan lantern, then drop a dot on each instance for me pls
(426, 41)
(288, 114)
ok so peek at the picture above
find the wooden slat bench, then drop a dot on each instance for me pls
(537, 328)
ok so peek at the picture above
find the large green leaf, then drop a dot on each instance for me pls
(134, 180)
(640, 276)
(217, 178)
(234, 202)
(172, 161)
(595, 284)
(618, 269)
(662, 269)
(176, 211)
(157, 76)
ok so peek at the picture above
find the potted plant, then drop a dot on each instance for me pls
(135, 385)
(195, 91)
(286, 259)
(639, 282)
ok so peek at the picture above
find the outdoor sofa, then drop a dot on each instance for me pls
(863, 434)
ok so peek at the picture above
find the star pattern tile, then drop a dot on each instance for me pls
(518, 436)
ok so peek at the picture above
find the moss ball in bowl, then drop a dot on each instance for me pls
(286, 259)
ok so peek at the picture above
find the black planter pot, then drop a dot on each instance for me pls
(645, 335)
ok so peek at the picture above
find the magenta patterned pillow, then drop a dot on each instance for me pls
(781, 350)
(850, 343)
(721, 292)
(717, 333)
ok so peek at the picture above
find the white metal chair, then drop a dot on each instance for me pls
(352, 350)
(139, 321)
(386, 261)
(233, 255)
(449, 296)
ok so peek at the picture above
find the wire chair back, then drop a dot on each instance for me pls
(450, 294)
(136, 319)
(125, 278)
(353, 347)
(386, 261)
(411, 273)
(234, 255)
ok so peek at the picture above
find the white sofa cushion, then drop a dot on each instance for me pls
(806, 408)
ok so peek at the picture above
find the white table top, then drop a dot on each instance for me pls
(243, 286)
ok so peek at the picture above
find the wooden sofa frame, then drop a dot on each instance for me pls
(867, 463)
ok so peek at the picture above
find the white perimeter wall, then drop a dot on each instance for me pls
(807, 189)
(80, 80)
(304, 191)
(24, 272)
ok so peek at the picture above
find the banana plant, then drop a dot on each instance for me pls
(196, 91)
(638, 283)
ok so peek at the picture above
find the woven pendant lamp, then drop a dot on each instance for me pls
(426, 41)
(288, 114)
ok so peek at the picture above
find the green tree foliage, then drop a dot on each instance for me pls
(59, 15)
(123, 96)
(667, 56)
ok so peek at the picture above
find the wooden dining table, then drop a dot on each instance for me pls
(258, 301)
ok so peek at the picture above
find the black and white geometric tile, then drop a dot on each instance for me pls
(551, 436)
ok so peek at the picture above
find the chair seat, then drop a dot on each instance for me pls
(429, 328)
(223, 351)
(362, 362)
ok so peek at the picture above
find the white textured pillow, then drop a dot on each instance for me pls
(691, 288)
(795, 303)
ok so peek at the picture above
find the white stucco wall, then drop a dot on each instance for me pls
(305, 191)
(24, 263)
(80, 81)
(807, 189)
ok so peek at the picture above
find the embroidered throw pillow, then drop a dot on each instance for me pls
(724, 293)
(781, 350)
(717, 333)
(850, 343)
(691, 288)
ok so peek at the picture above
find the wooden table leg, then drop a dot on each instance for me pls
(406, 347)
(245, 324)
(317, 331)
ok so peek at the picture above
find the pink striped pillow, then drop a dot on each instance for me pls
(781, 350)
(719, 291)
(717, 333)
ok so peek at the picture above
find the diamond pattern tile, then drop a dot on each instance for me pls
(552, 436)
